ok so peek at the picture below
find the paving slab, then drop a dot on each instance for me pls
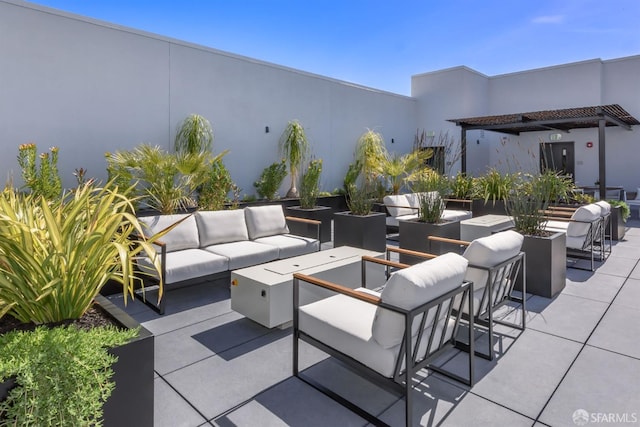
(290, 403)
(599, 383)
(595, 286)
(526, 375)
(619, 331)
(629, 295)
(171, 410)
(567, 316)
(617, 266)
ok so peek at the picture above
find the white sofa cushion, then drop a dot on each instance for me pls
(244, 253)
(488, 252)
(394, 203)
(221, 226)
(188, 264)
(585, 215)
(289, 245)
(414, 286)
(263, 221)
(184, 236)
(455, 215)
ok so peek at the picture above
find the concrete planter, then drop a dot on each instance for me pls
(480, 208)
(546, 265)
(323, 214)
(618, 227)
(414, 236)
(366, 232)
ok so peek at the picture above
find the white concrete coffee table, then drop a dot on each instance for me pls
(264, 293)
(483, 226)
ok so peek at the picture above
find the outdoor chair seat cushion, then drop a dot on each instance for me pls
(289, 245)
(263, 221)
(411, 287)
(552, 225)
(403, 207)
(183, 236)
(222, 226)
(394, 221)
(188, 264)
(489, 252)
(245, 253)
(344, 323)
(582, 219)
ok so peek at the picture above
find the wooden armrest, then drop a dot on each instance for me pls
(338, 288)
(562, 208)
(380, 261)
(551, 212)
(446, 240)
(159, 243)
(303, 220)
(410, 252)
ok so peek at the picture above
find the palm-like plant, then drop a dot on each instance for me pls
(194, 135)
(294, 147)
(56, 256)
(371, 154)
(397, 168)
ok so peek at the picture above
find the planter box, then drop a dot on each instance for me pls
(480, 208)
(323, 214)
(366, 232)
(131, 402)
(546, 265)
(618, 226)
(413, 236)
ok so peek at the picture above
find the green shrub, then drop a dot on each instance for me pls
(215, 190)
(359, 201)
(431, 207)
(624, 207)
(194, 135)
(270, 180)
(63, 375)
(309, 185)
(43, 180)
(493, 185)
(461, 186)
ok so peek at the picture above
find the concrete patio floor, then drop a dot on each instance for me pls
(580, 351)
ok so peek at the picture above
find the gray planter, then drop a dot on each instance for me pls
(414, 236)
(618, 226)
(546, 265)
(131, 402)
(366, 232)
(480, 208)
(323, 214)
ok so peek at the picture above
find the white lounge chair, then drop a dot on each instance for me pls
(389, 336)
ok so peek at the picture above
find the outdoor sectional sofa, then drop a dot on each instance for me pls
(208, 243)
(407, 206)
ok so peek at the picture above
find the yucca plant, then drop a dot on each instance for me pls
(294, 146)
(370, 155)
(194, 135)
(55, 257)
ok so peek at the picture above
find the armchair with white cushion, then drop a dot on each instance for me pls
(494, 264)
(388, 336)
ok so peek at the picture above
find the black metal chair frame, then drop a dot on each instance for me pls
(501, 277)
(408, 355)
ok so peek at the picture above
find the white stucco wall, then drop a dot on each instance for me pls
(90, 87)
(447, 94)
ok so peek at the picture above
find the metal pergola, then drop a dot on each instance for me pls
(599, 116)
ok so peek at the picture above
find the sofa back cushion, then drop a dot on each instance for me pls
(221, 227)
(411, 287)
(184, 236)
(394, 203)
(263, 221)
(488, 252)
(584, 215)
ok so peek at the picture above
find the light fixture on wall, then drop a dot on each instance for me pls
(589, 144)
(266, 129)
(555, 136)
(392, 141)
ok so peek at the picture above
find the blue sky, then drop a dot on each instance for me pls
(382, 43)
